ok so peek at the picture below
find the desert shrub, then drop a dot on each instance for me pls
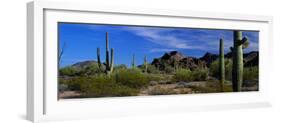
(68, 71)
(122, 66)
(105, 86)
(188, 75)
(92, 69)
(156, 77)
(169, 69)
(152, 69)
(153, 77)
(183, 75)
(132, 78)
(251, 73)
(214, 69)
(74, 84)
(200, 74)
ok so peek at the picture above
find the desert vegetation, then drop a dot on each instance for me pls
(173, 73)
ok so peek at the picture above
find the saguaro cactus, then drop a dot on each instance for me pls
(133, 61)
(108, 65)
(221, 65)
(112, 60)
(98, 57)
(145, 64)
(237, 58)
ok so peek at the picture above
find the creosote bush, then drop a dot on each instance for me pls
(152, 69)
(251, 73)
(200, 74)
(188, 75)
(183, 75)
(68, 71)
(105, 86)
(133, 78)
(214, 69)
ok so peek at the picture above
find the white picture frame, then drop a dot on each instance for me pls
(42, 103)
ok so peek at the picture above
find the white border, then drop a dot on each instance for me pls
(103, 107)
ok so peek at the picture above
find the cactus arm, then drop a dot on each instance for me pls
(221, 65)
(245, 42)
(112, 60)
(231, 49)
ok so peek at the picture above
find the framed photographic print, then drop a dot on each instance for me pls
(96, 61)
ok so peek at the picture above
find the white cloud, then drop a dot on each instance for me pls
(156, 36)
(161, 50)
(201, 40)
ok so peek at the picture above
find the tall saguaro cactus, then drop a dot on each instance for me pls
(107, 52)
(237, 58)
(98, 56)
(108, 65)
(145, 64)
(112, 60)
(221, 65)
(133, 61)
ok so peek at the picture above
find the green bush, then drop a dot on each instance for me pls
(188, 75)
(183, 75)
(133, 78)
(251, 73)
(200, 74)
(74, 83)
(169, 69)
(122, 66)
(92, 69)
(155, 77)
(105, 86)
(214, 69)
(68, 71)
(152, 69)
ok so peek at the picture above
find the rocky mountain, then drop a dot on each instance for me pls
(175, 58)
(84, 64)
(251, 59)
(208, 58)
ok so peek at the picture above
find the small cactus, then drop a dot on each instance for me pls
(221, 65)
(237, 58)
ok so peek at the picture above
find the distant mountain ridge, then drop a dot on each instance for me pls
(250, 59)
(177, 58)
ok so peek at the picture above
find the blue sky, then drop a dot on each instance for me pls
(80, 42)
